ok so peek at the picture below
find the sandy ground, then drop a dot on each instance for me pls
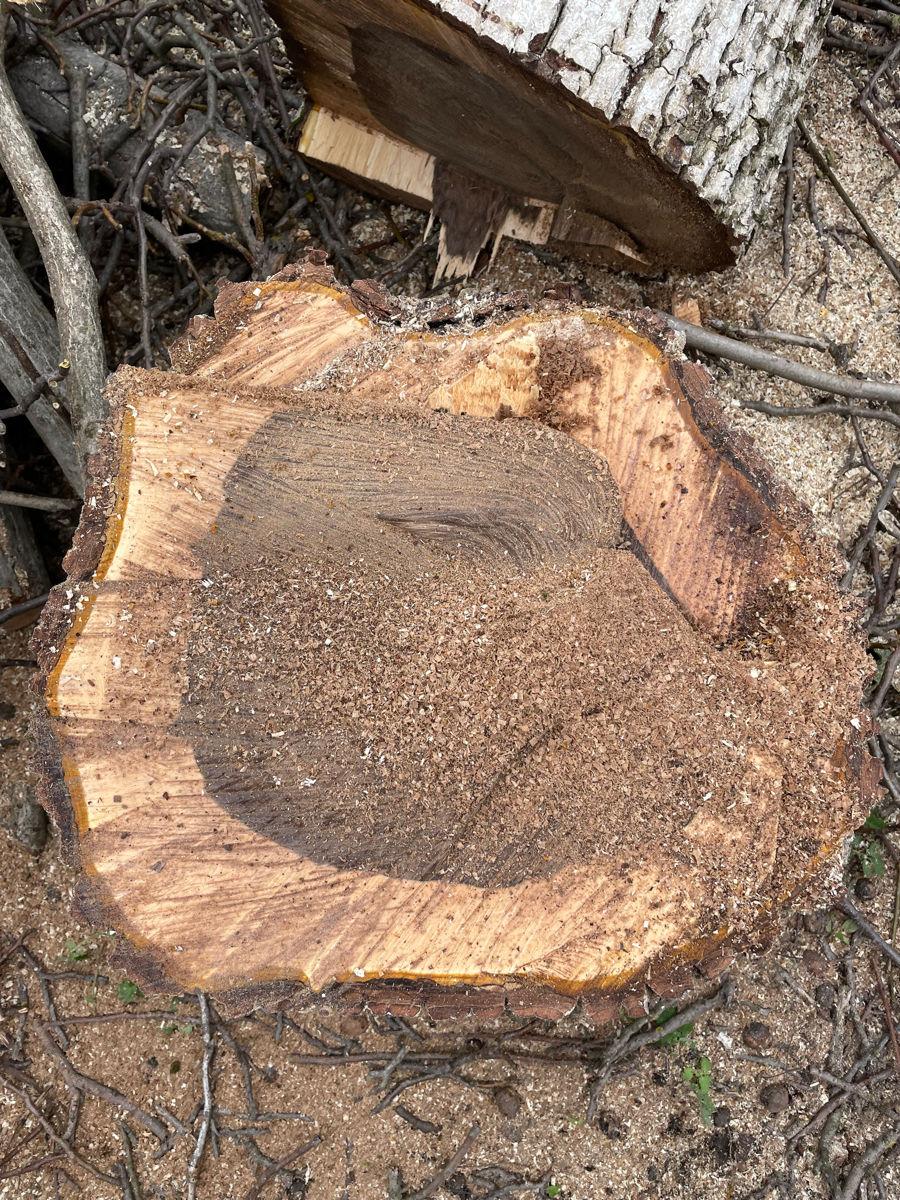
(653, 1135)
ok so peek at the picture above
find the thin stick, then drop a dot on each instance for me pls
(268, 1175)
(35, 1165)
(865, 1162)
(846, 905)
(51, 1133)
(43, 503)
(760, 333)
(889, 1016)
(130, 1168)
(697, 338)
(76, 76)
(820, 410)
(27, 606)
(825, 167)
(208, 1050)
(788, 213)
(887, 494)
(449, 1167)
(887, 679)
(103, 1018)
(866, 15)
(93, 1087)
(44, 980)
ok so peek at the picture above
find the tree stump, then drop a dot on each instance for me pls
(460, 657)
(648, 135)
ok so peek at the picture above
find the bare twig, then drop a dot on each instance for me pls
(19, 610)
(822, 410)
(209, 1047)
(821, 161)
(889, 1016)
(887, 494)
(760, 333)
(887, 678)
(697, 338)
(69, 1151)
(268, 1175)
(449, 1167)
(787, 215)
(93, 1087)
(870, 1156)
(846, 905)
(44, 503)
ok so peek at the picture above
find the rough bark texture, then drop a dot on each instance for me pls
(713, 87)
(29, 348)
(653, 131)
(310, 466)
(72, 281)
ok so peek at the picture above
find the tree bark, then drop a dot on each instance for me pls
(647, 133)
(481, 667)
(23, 574)
(72, 282)
(29, 348)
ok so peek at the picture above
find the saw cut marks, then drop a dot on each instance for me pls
(460, 660)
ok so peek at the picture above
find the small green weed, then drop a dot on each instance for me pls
(699, 1076)
(840, 930)
(866, 848)
(675, 1037)
(171, 1027)
(129, 992)
(75, 951)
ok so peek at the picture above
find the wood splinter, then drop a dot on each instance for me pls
(470, 668)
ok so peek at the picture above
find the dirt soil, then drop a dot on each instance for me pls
(730, 1105)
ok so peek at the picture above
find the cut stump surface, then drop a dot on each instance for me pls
(474, 666)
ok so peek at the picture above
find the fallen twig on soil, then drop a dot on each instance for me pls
(269, 1174)
(821, 161)
(76, 1080)
(448, 1168)
(697, 338)
(209, 1047)
(846, 905)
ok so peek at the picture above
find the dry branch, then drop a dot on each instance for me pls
(29, 353)
(72, 281)
(697, 338)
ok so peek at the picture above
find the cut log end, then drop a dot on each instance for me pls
(448, 667)
(648, 136)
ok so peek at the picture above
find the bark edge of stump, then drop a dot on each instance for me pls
(671, 972)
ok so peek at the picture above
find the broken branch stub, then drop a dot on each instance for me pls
(466, 666)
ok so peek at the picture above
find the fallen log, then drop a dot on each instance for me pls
(472, 665)
(648, 135)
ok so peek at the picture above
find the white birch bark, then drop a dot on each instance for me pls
(712, 85)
